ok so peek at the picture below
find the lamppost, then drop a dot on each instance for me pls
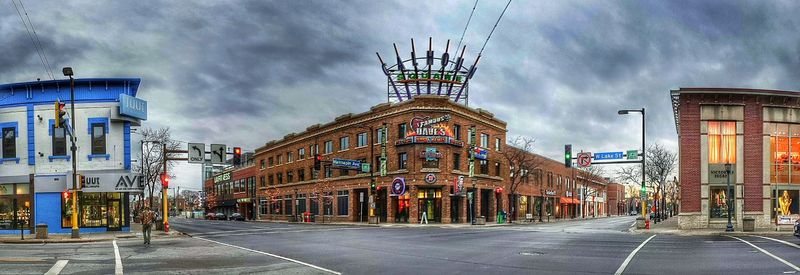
(472, 199)
(371, 170)
(643, 191)
(729, 228)
(296, 204)
(75, 232)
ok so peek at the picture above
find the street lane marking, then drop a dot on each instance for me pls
(780, 241)
(630, 257)
(767, 252)
(255, 232)
(56, 269)
(272, 255)
(117, 259)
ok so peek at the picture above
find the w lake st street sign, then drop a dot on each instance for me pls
(608, 155)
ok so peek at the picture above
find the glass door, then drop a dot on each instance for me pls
(114, 215)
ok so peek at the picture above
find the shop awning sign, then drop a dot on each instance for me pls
(346, 164)
(398, 186)
(110, 182)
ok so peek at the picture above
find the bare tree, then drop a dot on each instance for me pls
(521, 161)
(592, 173)
(659, 167)
(151, 162)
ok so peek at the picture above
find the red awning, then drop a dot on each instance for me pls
(568, 200)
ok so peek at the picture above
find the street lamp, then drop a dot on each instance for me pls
(729, 228)
(75, 231)
(643, 194)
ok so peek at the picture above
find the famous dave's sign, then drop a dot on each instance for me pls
(398, 186)
(427, 130)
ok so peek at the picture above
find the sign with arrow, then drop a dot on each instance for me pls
(218, 154)
(584, 159)
(197, 152)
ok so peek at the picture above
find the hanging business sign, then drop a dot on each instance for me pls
(427, 130)
(480, 153)
(132, 107)
(398, 186)
(222, 177)
(550, 192)
(458, 186)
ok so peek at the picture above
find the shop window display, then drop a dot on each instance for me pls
(719, 203)
(15, 205)
(784, 152)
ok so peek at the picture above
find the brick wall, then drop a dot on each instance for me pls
(753, 154)
(689, 140)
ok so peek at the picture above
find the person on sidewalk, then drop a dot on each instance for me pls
(147, 224)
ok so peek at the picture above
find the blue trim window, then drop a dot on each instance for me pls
(9, 132)
(98, 137)
(59, 139)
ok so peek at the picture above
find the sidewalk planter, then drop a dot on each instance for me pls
(748, 224)
(41, 231)
(480, 220)
(640, 223)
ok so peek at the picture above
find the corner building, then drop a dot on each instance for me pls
(757, 132)
(426, 149)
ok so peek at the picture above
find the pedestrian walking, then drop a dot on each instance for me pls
(147, 224)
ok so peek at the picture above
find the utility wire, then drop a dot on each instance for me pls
(32, 41)
(52, 76)
(495, 26)
(465, 30)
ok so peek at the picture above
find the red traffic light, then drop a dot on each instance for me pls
(318, 157)
(165, 180)
(237, 150)
(66, 194)
(498, 190)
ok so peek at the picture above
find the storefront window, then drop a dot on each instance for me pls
(523, 206)
(787, 202)
(92, 210)
(719, 203)
(15, 205)
(784, 152)
(721, 142)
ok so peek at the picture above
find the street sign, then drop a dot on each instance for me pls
(584, 159)
(346, 163)
(365, 167)
(608, 155)
(197, 152)
(633, 154)
(218, 154)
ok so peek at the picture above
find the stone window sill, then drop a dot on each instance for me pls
(9, 159)
(65, 157)
(93, 156)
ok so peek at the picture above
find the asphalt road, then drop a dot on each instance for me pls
(601, 246)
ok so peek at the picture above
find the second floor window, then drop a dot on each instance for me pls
(721, 142)
(329, 147)
(271, 161)
(497, 169)
(344, 143)
(59, 141)
(456, 161)
(280, 159)
(328, 171)
(401, 130)
(263, 183)
(280, 178)
(289, 157)
(263, 164)
(98, 138)
(457, 131)
(271, 180)
(289, 177)
(9, 143)
(485, 141)
(301, 175)
(301, 153)
(484, 167)
(362, 140)
(402, 161)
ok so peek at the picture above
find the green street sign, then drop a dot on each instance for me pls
(633, 154)
(365, 167)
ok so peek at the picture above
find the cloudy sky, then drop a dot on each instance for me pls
(244, 73)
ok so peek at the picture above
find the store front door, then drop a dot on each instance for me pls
(430, 204)
(401, 205)
(114, 215)
(455, 207)
(380, 205)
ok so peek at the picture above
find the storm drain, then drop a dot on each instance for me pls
(531, 253)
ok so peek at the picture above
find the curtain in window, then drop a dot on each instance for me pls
(721, 142)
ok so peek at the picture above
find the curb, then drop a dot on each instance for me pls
(177, 234)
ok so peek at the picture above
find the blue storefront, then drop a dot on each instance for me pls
(35, 162)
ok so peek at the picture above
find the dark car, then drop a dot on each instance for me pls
(221, 216)
(797, 228)
(211, 216)
(237, 217)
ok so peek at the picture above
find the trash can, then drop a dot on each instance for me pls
(306, 216)
(41, 231)
(480, 220)
(748, 224)
(159, 224)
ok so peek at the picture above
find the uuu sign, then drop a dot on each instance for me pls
(110, 182)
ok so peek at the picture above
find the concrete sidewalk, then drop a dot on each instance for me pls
(135, 233)
(439, 225)
(670, 227)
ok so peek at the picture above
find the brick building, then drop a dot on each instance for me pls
(756, 132)
(232, 191)
(426, 153)
(617, 205)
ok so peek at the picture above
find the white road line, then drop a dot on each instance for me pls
(780, 241)
(630, 257)
(273, 255)
(767, 252)
(56, 269)
(117, 259)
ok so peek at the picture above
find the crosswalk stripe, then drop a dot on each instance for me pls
(56, 269)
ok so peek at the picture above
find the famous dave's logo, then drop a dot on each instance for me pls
(427, 130)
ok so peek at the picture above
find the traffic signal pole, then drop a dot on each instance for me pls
(164, 207)
(74, 149)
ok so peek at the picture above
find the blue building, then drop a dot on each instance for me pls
(35, 156)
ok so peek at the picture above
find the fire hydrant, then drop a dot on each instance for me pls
(647, 224)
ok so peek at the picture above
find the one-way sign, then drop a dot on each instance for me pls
(218, 154)
(197, 152)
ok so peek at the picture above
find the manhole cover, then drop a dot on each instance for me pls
(532, 253)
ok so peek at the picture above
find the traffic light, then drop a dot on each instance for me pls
(59, 114)
(81, 181)
(317, 162)
(66, 195)
(568, 155)
(237, 156)
(373, 186)
(165, 181)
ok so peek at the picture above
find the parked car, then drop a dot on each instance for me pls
(221, 216)
(211, 216)
(634, 213)
(797, 228)
(237, 217)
